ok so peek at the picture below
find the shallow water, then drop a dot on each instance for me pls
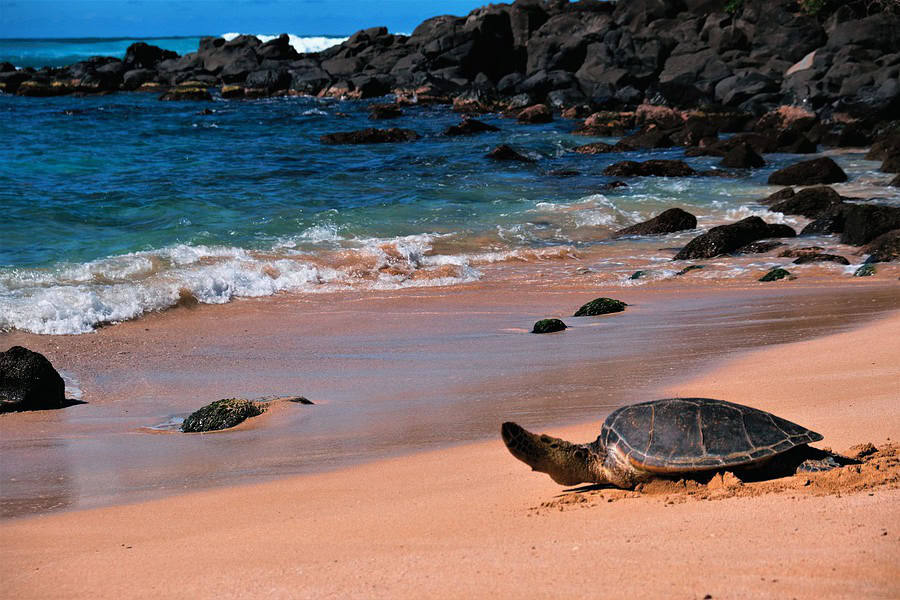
(119, 205)
(389, 373)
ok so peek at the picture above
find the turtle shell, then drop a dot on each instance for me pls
(698, 434)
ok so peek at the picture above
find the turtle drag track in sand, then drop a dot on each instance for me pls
(879, 468)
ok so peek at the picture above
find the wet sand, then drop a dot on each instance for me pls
(471, 521)
(391, 373)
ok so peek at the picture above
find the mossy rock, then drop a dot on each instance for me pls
(221, 414)
(600, 306)
(688, 269)
(548, 326)
(776, 274)
(865, 271)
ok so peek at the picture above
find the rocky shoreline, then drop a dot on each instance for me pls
(747, 55)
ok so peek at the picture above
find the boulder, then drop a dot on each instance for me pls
(742, 156)
(809, 172)
(378, 112)
(141, 55)
(595, 148)
(725, 239)
(504, 152)
(469, 127)
(29, 382)
(758, 247)
(865, 222)
(884, 248)
(782, 194)
(135, 78)
(776, 274)
(221, 414)
(809, 202)
(668, 221)
(648, 138)
(539, 113)
(548, 326)
(269, 80)
(658, 168)
(600, 306)
(891, 164)
(370, 136)
(820, 257)
(189, 90)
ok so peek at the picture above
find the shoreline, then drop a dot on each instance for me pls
(472, 521)
(391, 373)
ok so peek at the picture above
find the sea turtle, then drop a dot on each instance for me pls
(674, 437)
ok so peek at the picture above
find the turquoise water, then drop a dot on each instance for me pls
(121, 204)
(66, 51)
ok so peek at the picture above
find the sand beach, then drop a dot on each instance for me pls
(436, 514)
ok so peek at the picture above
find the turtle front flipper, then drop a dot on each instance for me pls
(566, 463)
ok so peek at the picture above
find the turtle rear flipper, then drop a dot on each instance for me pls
(813, 465)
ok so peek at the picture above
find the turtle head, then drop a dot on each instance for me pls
(566, 463)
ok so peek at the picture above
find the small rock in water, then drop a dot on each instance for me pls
(300, 400)
(776, 274)
(504, 152)
(548, 326)
(221, 414)
(821, 257)
(688, 269)
(638, 274)
(865, 271)
(600, 306)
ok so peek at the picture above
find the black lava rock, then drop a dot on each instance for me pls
(29, 382)
(657, 168)
(668, 221)
(504, 152)
(809, 202)
(810, 172)
(725, 239)
(370, 136)
(548, 326)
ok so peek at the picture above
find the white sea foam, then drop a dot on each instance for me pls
(302, 45)
(75, 298)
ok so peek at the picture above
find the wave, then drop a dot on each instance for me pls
(302, 45)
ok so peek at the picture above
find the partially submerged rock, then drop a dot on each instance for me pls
(595, 148)
(370, 136)
(809, 202)
(820, 257)
(758, 247)
(668, 221)
(742, 156)
(809, 172)
(600, 306)
(548, 326)
(657, 168)
(504, 152)
(29, 382)
(539, 113)
(221, 414)
(884, 248)
(470, 127)
(688, 269)
(725, 239)
(776, 274)
(866, 270)
(865, 222)
(378, 112)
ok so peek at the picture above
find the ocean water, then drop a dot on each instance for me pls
(118, 205)
(66, 51)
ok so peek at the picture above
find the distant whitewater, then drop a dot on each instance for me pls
(62, 52)
(303, 45)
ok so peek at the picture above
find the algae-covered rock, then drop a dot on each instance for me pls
(221, 414)
(776, 274)
(866, 270)
(600, 306)
(638, 274)
(548, 326)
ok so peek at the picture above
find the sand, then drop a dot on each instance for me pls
(471, 521)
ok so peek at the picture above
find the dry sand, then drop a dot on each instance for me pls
(471, 521)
